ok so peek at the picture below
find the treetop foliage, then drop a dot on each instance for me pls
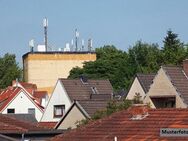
(9, 70)
(120, 67)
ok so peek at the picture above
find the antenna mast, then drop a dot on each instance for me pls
(76, 39)
(45, 25)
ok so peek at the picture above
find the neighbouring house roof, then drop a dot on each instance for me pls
(123, 126)
(145, 80)
(91, 106)
(86, 107)
(12, 125)
(79, 90)
(26, 85)
(9, 94)
(23, 117)
(6, 138)
(39, 95)
(179, 80)
(49, 125)
(15, 128)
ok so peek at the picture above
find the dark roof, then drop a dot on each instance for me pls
(12, 125)
(179, 80)
(145, 80)
(59, 52)
(6, 138)
(23, 117)
(77, 90)
(122, 126)
(91, 106)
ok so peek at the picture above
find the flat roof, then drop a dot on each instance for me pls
(59, 52)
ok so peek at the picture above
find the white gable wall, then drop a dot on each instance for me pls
(21, 103)
(58, 97)
(135, 88)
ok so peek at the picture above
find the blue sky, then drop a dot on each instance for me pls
(117, 22)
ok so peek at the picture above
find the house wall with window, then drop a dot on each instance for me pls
(59, 98)
(72, 119)
(22, 104)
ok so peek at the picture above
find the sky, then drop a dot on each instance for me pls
(108, 22)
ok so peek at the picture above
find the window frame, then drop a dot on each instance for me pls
(62, 110)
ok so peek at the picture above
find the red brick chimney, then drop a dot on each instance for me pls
(185, 66)
(138, 111)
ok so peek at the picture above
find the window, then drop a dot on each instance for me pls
(59, 110)
(10, 111)
(31, 111)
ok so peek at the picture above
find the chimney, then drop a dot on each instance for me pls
(185, 66)
(138, 111)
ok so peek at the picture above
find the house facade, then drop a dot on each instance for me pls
(140, 85)
(80, 110)
(15, 100)
(68, 90)
(169, 88)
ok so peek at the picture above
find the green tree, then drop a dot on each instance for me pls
(173, 50)
(144, 58)
(9, 70)
(111, 64)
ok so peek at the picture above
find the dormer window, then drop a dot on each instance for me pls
(94, 90)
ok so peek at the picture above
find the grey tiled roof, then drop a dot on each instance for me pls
(24, 117)
(91, 106)
(145, 80)
(77, 90)
(179, 80)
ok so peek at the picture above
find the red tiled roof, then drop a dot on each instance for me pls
(12, 125)
(122, 126)
(7, 95)
(49, 125)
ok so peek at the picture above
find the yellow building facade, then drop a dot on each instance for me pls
(44, 68)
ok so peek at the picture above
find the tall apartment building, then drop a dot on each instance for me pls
(44, 68)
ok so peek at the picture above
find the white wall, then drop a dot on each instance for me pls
(135, 88)
(21, 103)
(58, 97)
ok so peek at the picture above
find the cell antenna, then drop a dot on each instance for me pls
(72, 45)
(82, 44)
(90, 45)
(45, 25)
(76, 39)
(31, 44)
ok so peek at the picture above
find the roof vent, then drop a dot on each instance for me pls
(138, 111)
(83, 79)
